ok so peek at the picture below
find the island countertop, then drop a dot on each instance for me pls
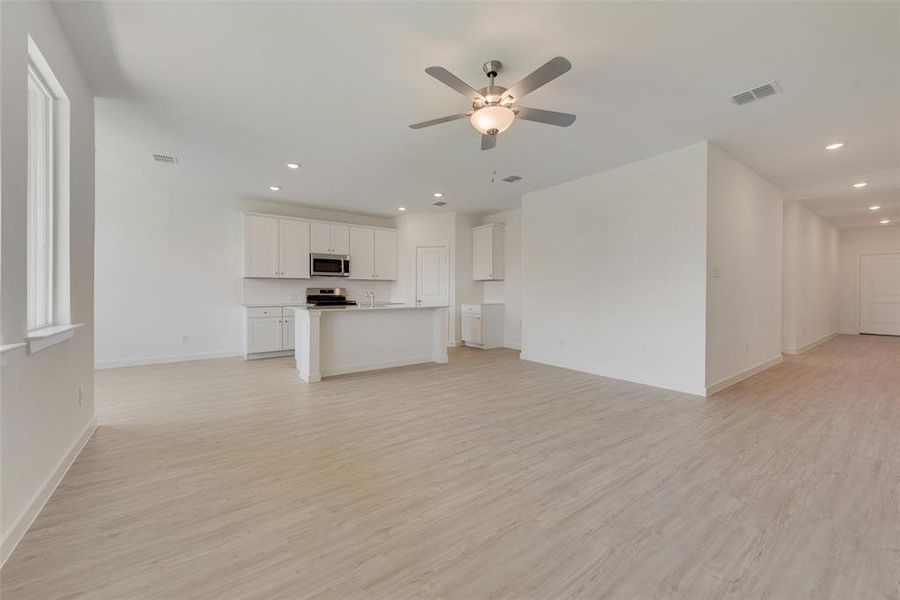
(360, 307)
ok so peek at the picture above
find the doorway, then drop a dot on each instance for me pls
(432, 276)
(879, 294)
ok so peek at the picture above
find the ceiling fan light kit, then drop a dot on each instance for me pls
(494, 107)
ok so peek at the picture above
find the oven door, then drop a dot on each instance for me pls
(329, 265)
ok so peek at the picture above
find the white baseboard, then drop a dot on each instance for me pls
(809, 346)
(513, 347)
(730, 381)
(37, 502)
(159, 360)
(849, 331)
(387, 364)
(593, 370)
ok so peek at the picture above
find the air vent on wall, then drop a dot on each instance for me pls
(757, 93)
(511, 179)
(166, 158)
(439, 203)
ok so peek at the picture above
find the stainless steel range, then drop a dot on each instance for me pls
(328, 297)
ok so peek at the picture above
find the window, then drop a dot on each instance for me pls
(40, 201)
(47, 137)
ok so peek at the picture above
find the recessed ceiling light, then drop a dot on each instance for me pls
(293, 165)
(274, 188)
(835, 146)
(438, 195)
(401, 208)
(860, 184)
(885, 221)
(876, 207)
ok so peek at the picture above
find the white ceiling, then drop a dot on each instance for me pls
(238, 89)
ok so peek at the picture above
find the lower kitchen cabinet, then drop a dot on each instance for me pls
(482, 325)
(269, 331)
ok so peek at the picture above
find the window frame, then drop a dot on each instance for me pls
(41, 310)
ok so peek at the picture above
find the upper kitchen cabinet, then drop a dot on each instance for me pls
(329, 238)
(276, 247)
(386, 254)
(373, 253)
(260, 246)
(293, 248)
(487, 252)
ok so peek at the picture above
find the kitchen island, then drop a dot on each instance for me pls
(347, 339)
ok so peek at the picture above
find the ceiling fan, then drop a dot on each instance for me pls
(494, 107)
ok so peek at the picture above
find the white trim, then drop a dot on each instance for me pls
(513, 347)
(40, 498)
(7, 347)
(849, 332)
(593, 370)
(730, 381)
(810, 345)
(159, 360)
(43, 338)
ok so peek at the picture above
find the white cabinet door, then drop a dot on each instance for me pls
(264, 334)
(471, 328)
(320, 238)
(293, 248)
(260, 246)
(362, 253)
(385, 254)
(340, 239)
(482, 253)
(287, 334)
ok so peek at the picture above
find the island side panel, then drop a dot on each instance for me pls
(440, 339)
(365, 340)
(306, 344)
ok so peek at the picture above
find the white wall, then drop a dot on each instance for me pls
(168, 280)
(853, 244)
(509, 290)
(743, 300)
(614, 272)
(811, 296)
(42, 424)
(426, 229)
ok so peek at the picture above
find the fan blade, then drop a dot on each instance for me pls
(542, 75)
(451, 80)
(488, 141)
(440, 120)
(539, 115)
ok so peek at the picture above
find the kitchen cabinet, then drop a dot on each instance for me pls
(293, 248)
(264, 334)
(373, 253)
(482, 325)
(329, 238)
(362, 253)
(487, 252)
(269, 331)
(276, 247)
(260, 246)
(386, 254)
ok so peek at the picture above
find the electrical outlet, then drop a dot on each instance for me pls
(80, 395)
(185, 338)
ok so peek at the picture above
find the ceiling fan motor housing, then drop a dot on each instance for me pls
(491, 94)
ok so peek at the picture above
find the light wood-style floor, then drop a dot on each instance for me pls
(489, 477)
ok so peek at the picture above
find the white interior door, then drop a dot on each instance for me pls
(432, 276)
(879, 299)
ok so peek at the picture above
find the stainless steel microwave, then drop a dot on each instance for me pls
(329, 265)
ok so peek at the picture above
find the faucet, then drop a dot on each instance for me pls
(371, 297)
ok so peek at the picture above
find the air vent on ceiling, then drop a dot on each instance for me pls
(166, 158)
(769, 89)
(511, 179)
(439, 203)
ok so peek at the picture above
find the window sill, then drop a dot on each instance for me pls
(7, 347)
(41, 339)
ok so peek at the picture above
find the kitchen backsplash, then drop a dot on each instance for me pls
(293, 291)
